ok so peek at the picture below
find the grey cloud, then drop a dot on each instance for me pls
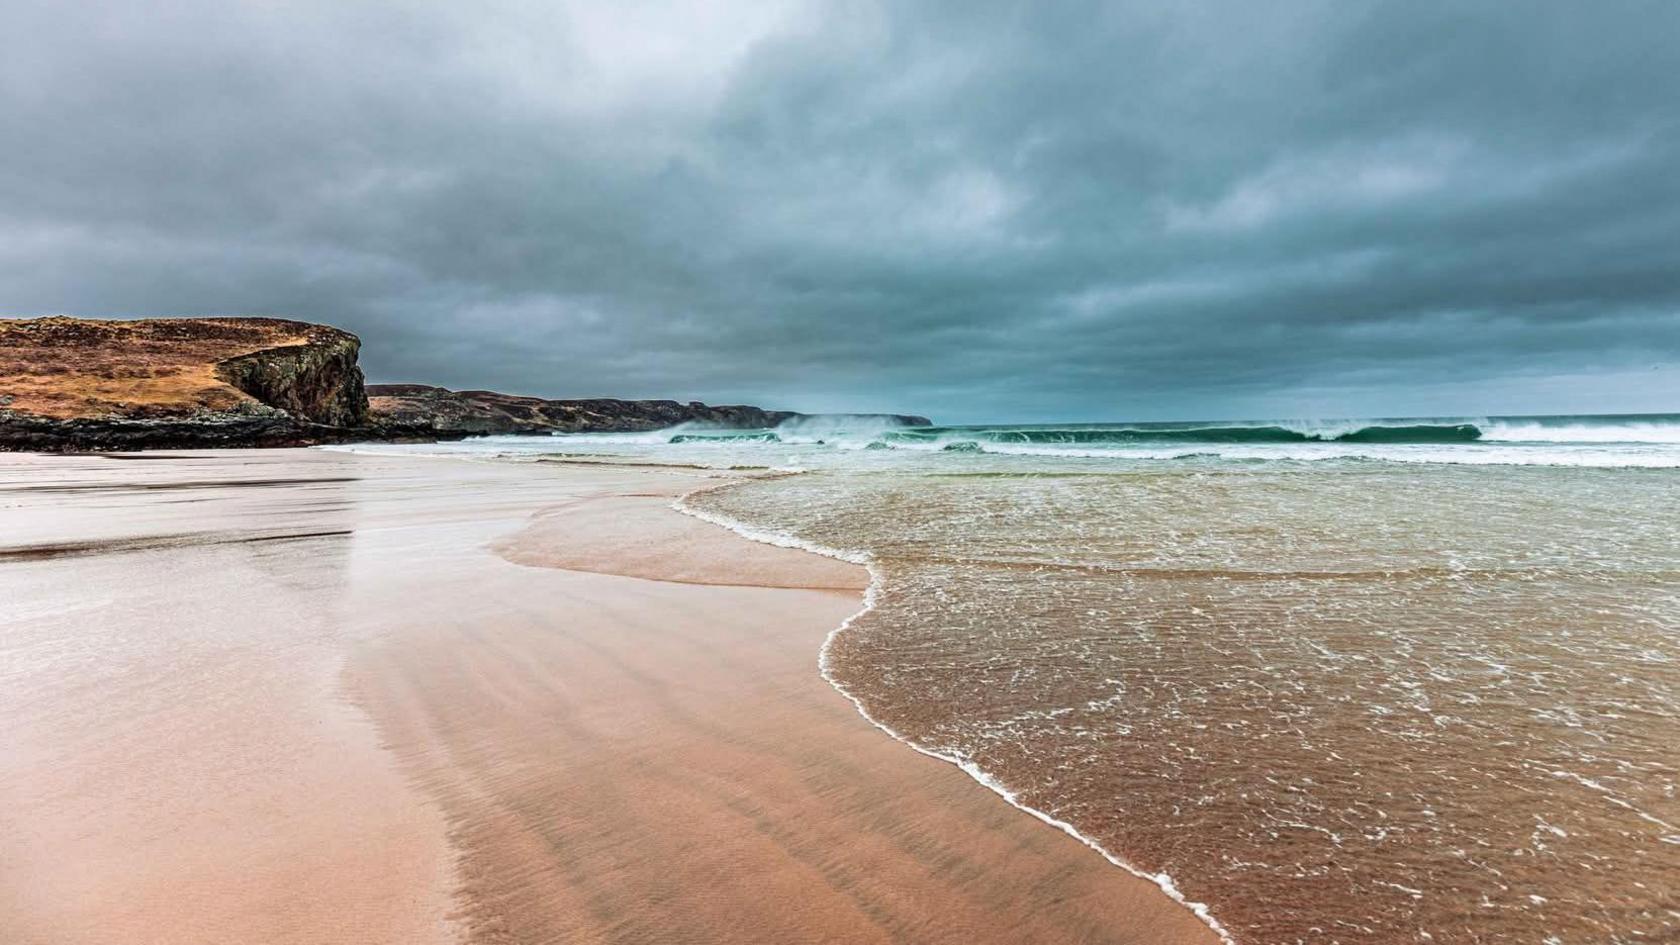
(976, 210)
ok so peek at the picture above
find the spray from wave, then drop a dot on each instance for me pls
(1621, 441)
(1635, 441)
(1569, 430)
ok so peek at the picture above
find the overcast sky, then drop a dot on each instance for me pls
(970, 210)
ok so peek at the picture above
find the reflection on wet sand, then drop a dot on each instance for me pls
(377, 701)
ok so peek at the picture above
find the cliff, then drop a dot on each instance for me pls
(95, 384)
(75, 383)
(481, 412)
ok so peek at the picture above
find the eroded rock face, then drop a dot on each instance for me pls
(75, 383)
(317, 381)
(90, 384)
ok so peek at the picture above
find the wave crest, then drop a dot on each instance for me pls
(1211, 433)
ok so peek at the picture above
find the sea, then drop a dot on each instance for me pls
(1387, 680)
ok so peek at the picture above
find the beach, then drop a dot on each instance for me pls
(310, 696)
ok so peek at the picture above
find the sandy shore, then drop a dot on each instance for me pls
(302, 696)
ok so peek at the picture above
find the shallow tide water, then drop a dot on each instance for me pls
(1351, 705)
(1426, 692)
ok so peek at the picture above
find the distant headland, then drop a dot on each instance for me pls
(186, 383)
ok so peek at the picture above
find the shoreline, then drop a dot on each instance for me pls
(613, 756)
(1161, 880)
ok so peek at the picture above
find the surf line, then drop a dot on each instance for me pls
(870, 597)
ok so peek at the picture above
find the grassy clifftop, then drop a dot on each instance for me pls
(80, 368)
(81, 383)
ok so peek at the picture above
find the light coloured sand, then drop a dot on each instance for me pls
(300, 696)
(638, 535)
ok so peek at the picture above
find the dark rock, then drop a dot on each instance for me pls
(80, 384)
(487, 412)
(97, 384)
(318, 382)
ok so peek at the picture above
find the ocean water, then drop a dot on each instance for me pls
(1365, 681)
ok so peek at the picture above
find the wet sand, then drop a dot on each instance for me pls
(369, 699)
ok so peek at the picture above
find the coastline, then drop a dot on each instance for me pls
(1161, 880)
(612, 757)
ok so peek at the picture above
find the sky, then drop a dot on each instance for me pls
(975, 211)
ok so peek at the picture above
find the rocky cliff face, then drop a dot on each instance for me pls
(89, 384)
(481, 412)
(73, 383)
(316, 381)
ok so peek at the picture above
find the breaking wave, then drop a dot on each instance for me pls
(1624, 441)
(1607, 441)
(1199, 433)
(852, 433)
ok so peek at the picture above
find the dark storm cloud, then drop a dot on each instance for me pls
(972, 210)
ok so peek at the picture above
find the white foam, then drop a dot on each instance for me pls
(870, 596)
(1627, 457)
(1632, 444)
(1628, 432)
(658, 437)
(846, 431)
